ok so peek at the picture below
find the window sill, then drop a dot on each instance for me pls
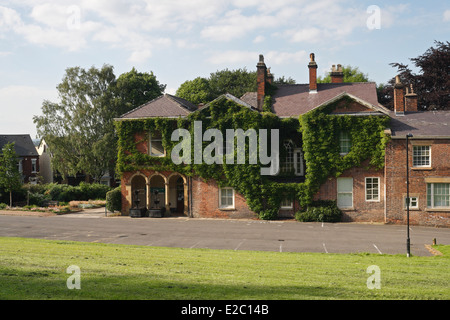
(438, 209)
(227, 209)
(421, 168)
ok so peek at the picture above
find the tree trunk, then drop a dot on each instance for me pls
(10, 199)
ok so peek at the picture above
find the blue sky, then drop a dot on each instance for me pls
(180, 40)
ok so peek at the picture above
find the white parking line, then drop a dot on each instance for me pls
(237, 247)
(377, 248)
(195, 244)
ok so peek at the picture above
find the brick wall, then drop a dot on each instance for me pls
(362, 211)
(205, 203)
(418, 177)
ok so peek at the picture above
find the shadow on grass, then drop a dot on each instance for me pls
(45, 285)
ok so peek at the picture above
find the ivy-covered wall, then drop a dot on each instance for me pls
(319, 130)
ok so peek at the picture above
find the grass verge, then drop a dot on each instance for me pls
(36, 269)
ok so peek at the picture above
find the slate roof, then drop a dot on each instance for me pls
(23, 146)
(424, 124)
(294, 100)
(164, 106)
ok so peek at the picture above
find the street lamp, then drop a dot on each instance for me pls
(408, 243)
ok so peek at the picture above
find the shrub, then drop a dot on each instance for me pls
(323, 211)
(114, 200)
(38, 199)
(3, 206)
(269, 214)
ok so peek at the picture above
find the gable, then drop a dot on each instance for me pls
(347, 105)
(165, 106)
(295, 100)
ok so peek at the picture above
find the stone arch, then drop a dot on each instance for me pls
(138, 191)
(177, 193)
(157, 187)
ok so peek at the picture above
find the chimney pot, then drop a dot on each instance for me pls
(410, 100)
(337, 76)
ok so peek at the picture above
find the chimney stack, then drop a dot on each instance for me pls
(269, 76)
(399, 97)
(261, 76)
(410, 100)
(312, 74)
(337, 75)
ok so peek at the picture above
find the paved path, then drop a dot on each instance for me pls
(281, 236)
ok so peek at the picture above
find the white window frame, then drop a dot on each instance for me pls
(287, 204)
(20, 166)
(344, 137)
(411, 201)
(342, 192)
(289, 161)
(226, 206)
(417, 157)
(431, 195)
(151, 138)
(367, 194)
(33, 165)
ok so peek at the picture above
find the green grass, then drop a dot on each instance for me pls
(36, 269)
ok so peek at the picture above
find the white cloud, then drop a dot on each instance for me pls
(259, 39)
(233, 57)
(447, 15)
(19, 105)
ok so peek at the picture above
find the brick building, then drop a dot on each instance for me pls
(362, 194)
(28, 164)
(428, 163)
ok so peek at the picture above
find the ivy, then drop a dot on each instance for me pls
(317, 131)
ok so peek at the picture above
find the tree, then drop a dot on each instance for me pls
(196, 91)
(431, 83)
(10, 179)
(80, 128)
(203, 90)
(134, 88)
(351, 74)
(282, 80)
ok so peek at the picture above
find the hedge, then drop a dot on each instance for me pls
(114, 200)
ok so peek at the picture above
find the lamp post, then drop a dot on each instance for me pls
(408, 242)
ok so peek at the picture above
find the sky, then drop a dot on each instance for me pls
(179, 40)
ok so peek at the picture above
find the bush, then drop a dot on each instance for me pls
(3, 206)
(38, 199)
(320, 211)
(114, 200)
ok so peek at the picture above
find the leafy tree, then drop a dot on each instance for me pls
(351, 74)
(283, 80)
(431, 83)
(203, 90)
(10, 179)
(80, 128)
(134, 88)
(196, 91)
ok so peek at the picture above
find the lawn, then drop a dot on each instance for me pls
(36, 269)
